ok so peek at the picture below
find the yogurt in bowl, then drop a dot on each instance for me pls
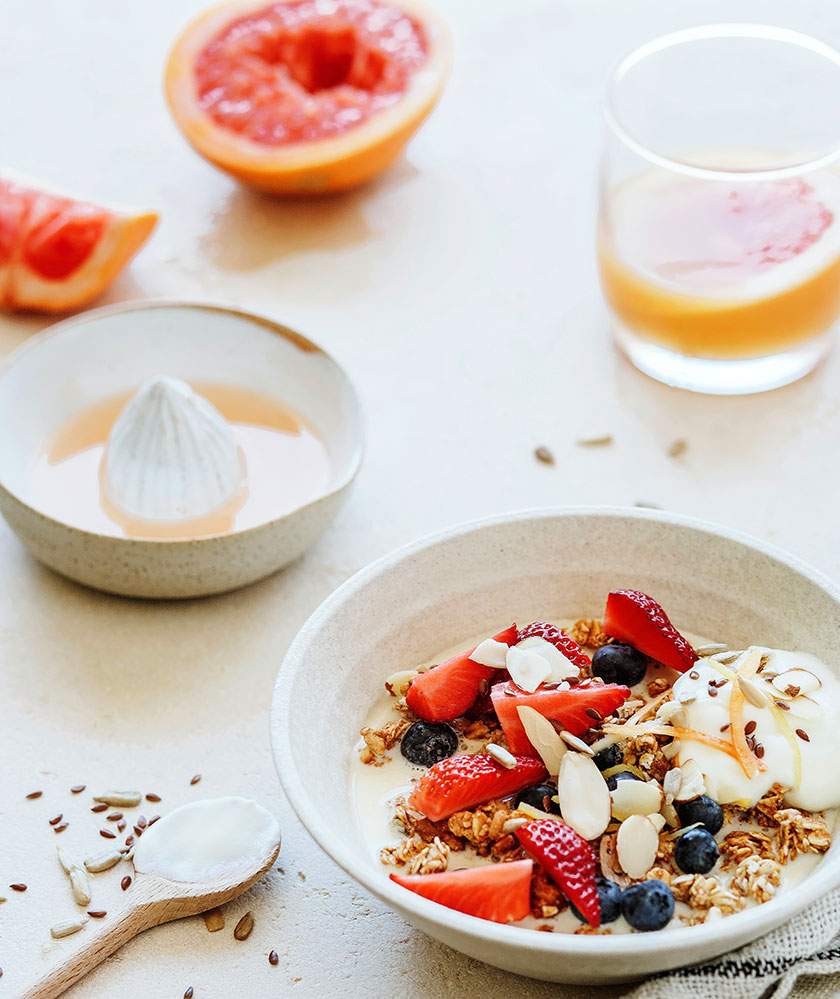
(557, 565)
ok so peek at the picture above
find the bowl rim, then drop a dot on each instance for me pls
(751, 923)
(296, 339)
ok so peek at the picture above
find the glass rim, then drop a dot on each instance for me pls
(707, 32)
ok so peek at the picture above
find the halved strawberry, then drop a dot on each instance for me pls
(637, 619)
(558, 638)
(465, 781)
(568, 707)
(500, 892)
(568, 860)
(447, 691)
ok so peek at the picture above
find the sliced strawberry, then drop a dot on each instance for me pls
(447, 691)
(568, 860)
(559, 639)
(500, 892)
(483, 707)
(568, 707)
(465, 781)
(637, 619)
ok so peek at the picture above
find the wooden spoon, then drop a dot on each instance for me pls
(153, 900)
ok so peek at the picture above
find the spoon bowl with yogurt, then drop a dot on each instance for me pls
(199, 856)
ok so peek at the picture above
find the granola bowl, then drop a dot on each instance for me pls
(441, 592)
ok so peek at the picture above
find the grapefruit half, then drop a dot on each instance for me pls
(306, 96)
(56, 252)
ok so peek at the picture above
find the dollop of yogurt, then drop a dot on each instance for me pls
(206, 840)
(815, 713)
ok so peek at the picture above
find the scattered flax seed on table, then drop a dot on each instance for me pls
(542, 454)
(273, 959)
(195, 779)
(677, 448)
(189, 993)
(77, 788)
(33, 794)
(152, 797)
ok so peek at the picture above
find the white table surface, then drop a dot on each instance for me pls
(461, 295)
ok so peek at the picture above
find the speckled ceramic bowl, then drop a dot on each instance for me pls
(405, 608)
(102, 353)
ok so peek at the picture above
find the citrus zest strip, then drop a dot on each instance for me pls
(750, 763)
(677, 733)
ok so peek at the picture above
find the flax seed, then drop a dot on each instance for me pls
(114, 816)
(125, 884)
(594, 714)
(749, 728)
(107, 834)
(18, 886)
(142, 822)
(101, 807)
(542, 454)
(803, 735)
(189, 993)
(97, 913)
(121, 825)
(34, 794)
(152, 797)
(782, 705)
(77, 788)
(273, 959)
(759, 750)
(54, 821)
(195, 779)
(60, 827)
(153, 819)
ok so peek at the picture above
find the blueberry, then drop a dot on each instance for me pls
(702, 809)
(619, 664)
(609, 895)
(609, 757)
(696, 852)
(648, 905)
(426, 743)
(623, 775)
(539, 796)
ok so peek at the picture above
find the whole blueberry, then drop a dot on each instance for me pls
(619, 664)
(648, 905)
(609, 895)
(615, 778)
(696, 852)
(604, 759)
(539, 796)
(701, 809)
(427, 743)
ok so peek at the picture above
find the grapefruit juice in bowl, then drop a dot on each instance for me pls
(719, 227)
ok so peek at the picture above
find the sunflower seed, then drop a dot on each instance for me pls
(67, 860)
(119, 799)
(573, 742)
(603, 441)
(713, 648)
(80, 884)
(103, 861)
(501, 755)
(66, 928)
(243, 928)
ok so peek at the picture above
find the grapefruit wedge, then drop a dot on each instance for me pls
(57, 253)
(304, 97)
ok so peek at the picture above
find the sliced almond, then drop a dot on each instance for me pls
(543, 737)
(583, 795)
(692, 784)
(669, 813)
(610, 866)
(801, 680)
(636, 844)
(527, 669)
(687, 696)
(501, 756)
(573, 742)
(673, 713)
(562, 668)
(490, 653)
(671, 783)
(806, 708)
(658, 821)
(672, 749)
(635, 797)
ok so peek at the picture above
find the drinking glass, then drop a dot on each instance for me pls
(719, 220)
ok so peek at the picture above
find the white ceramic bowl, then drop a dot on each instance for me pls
(431, 595)
(102, 353)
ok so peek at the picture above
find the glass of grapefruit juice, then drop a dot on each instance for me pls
(719, 221)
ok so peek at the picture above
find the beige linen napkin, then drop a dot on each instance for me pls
(800, 959)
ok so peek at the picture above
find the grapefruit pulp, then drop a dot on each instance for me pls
(57, 253)
(306, 96)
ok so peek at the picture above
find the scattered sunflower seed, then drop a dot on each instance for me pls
(603, 441)
(66, 928)
(214, 920)
(243, 928)
(67, 859)
(501, 756)
(103, 861)
(677, 448)
(542, 454)
(80, 884)
(647, 506)
(119, 799)
(575, 743)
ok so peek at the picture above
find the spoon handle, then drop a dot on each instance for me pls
(92, 950)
